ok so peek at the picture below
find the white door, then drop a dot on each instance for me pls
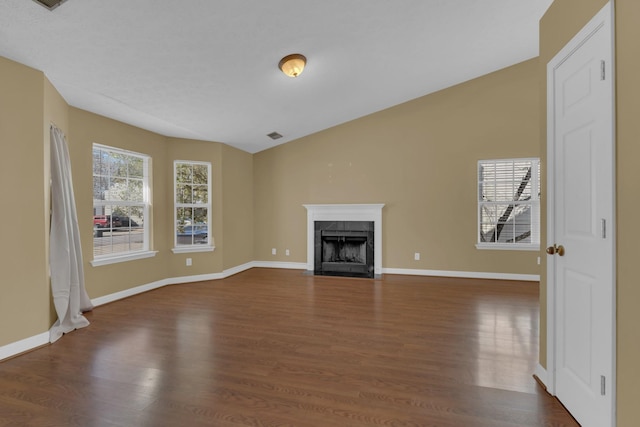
(581, 215)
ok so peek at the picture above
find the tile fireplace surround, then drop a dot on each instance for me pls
(346, 212)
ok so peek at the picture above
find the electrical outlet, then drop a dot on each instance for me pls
(286, 252)
(538, 260)
(188, 262)
(273, 251)
(416, 256)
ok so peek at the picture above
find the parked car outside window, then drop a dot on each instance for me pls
(113, 221)
(193, 233)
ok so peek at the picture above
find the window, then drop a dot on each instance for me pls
(120, 205)
(509, 204)
(192, 189)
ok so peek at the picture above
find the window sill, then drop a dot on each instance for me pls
(507, 247)
(194, 248)
(122, 258)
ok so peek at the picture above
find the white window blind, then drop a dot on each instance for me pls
(509, 204)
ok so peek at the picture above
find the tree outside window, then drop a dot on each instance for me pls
(120, 201)
(192, 183)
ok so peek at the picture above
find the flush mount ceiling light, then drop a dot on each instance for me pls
(292, 65)
(50, 4)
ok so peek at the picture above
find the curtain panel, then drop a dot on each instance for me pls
(65, 253)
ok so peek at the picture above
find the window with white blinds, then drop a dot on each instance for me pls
(509, 204)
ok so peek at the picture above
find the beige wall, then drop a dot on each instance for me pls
(562, 21)
(420, 159)
(25, 301)
(628, 206)
(29, 104)
(202, 262)
(394, 157)
(85, 129)
(237, 188)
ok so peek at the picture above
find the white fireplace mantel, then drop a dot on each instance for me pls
(346, 212)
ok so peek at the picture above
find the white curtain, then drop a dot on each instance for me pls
(65, 255)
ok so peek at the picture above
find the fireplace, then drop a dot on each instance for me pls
(343, 248)
(349, 239)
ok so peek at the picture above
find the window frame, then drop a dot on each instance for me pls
(534, 202)
(193, 247)
(129, 255)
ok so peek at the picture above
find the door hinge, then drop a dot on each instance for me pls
(603, 228)
(603, 385)
(602, 70)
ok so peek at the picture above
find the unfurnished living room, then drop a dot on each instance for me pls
(336, 213)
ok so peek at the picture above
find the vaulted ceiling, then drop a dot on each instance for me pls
(208, 69)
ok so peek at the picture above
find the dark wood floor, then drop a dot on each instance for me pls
(278, 348)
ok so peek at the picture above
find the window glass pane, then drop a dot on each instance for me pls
(184, 216)
(117, 165)
(503, 191)
(488, 219)
(191, 226)
(200, 215)
(101, 243)
(119, 201)
(200, 174)
(136, 190)
(184, 193)
(522, 224)
(184, 173)
(200, 194)
(136, 168)
(117, 189)
(100, 185)
(100, 162)
(505, 223)
(192, 188)
(508, 194)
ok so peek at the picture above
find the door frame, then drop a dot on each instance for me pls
(604, 16)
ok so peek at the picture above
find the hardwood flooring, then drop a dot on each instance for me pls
(271, 347)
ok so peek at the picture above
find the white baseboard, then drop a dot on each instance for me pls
(15, 348)
(170, 281)
(541, 374)
(277, 264)
(238, 269)
(414, 272)
(194, 278)
(27, 344)
(463, 274)
(128, 293)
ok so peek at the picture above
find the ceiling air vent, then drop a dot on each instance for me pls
(50, 4)
(274, 135)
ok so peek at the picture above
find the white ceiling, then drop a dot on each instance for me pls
(207, 69)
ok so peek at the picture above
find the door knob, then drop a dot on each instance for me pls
(559, 249)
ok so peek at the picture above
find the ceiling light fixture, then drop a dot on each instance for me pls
(50, 4)
(292, 65)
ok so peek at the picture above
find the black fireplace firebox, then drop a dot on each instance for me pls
(343, 248)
